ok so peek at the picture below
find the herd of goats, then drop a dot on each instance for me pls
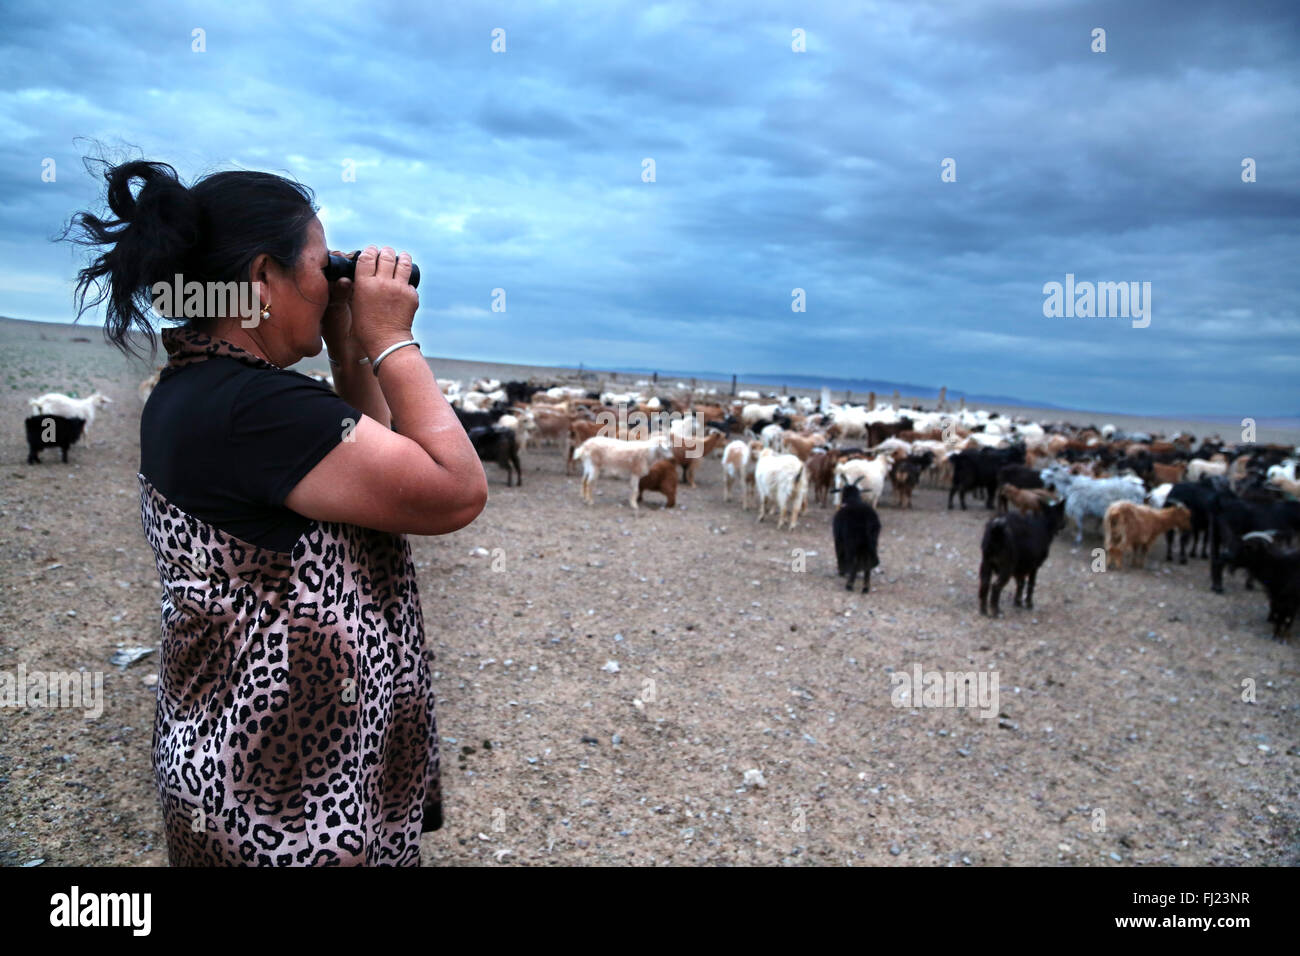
(1236, 503)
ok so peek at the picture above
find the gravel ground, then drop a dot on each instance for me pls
(1121, 736)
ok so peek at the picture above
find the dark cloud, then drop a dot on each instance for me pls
(774, 171)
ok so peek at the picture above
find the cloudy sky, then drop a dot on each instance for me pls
(774, 170)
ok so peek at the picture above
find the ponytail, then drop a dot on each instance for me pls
(209, 232)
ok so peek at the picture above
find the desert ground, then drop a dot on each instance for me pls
(1121, 738)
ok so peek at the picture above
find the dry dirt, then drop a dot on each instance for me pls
(1124, 739)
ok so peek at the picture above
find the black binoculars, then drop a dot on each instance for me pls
(345, 267)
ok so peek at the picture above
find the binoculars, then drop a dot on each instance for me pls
(345, 267)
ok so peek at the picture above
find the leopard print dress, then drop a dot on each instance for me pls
(295, 722)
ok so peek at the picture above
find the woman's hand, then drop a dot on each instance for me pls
(383, 300)
(354, 382)
(336, 324)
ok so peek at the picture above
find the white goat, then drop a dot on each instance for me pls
(626, 459)
(1199, 466)
(782, 480)
(522, 423)
(738, 461)
(56, 403)
(1090, 497)
(772, 436)
(1285, 470)
(752, 414)
(869, 476)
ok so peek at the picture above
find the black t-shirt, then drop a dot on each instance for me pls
(226, 442)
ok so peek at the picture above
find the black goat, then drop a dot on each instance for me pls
(520, 393)
(785, 421)
(1278, 570)
(726, 425)
(1018, 476)
(973, 470)
(1195, 498)
(499, 445)
(1016, 545)
(51, 431)
(1232, 518)
(485, 419)
(856, 527)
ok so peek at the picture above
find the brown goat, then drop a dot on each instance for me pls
(1133, 527)
(1024, 500)
(1162, 474)
(821, 475)
(903, 476)
(689, 451)
(801, 446)
(663, 479)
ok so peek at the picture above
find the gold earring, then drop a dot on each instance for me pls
(265, 314)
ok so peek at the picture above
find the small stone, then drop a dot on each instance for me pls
(895, 850)
(129, 655)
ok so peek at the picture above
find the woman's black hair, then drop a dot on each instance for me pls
(208, 232)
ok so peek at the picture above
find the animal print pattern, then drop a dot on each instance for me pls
(295, 722)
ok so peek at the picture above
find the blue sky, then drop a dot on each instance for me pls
(775, 170)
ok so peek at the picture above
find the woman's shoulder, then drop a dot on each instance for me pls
(222, 377)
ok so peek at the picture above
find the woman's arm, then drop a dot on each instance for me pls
(356, 384)
(353, 381)
(423, 478)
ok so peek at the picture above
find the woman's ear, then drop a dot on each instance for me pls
(259, 270)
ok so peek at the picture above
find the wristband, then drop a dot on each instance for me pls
(374, 366)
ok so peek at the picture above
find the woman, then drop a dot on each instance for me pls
(295, 720)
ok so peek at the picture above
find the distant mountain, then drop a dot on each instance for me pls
(835, 384)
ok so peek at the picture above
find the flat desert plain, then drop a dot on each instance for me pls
(606, 678)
